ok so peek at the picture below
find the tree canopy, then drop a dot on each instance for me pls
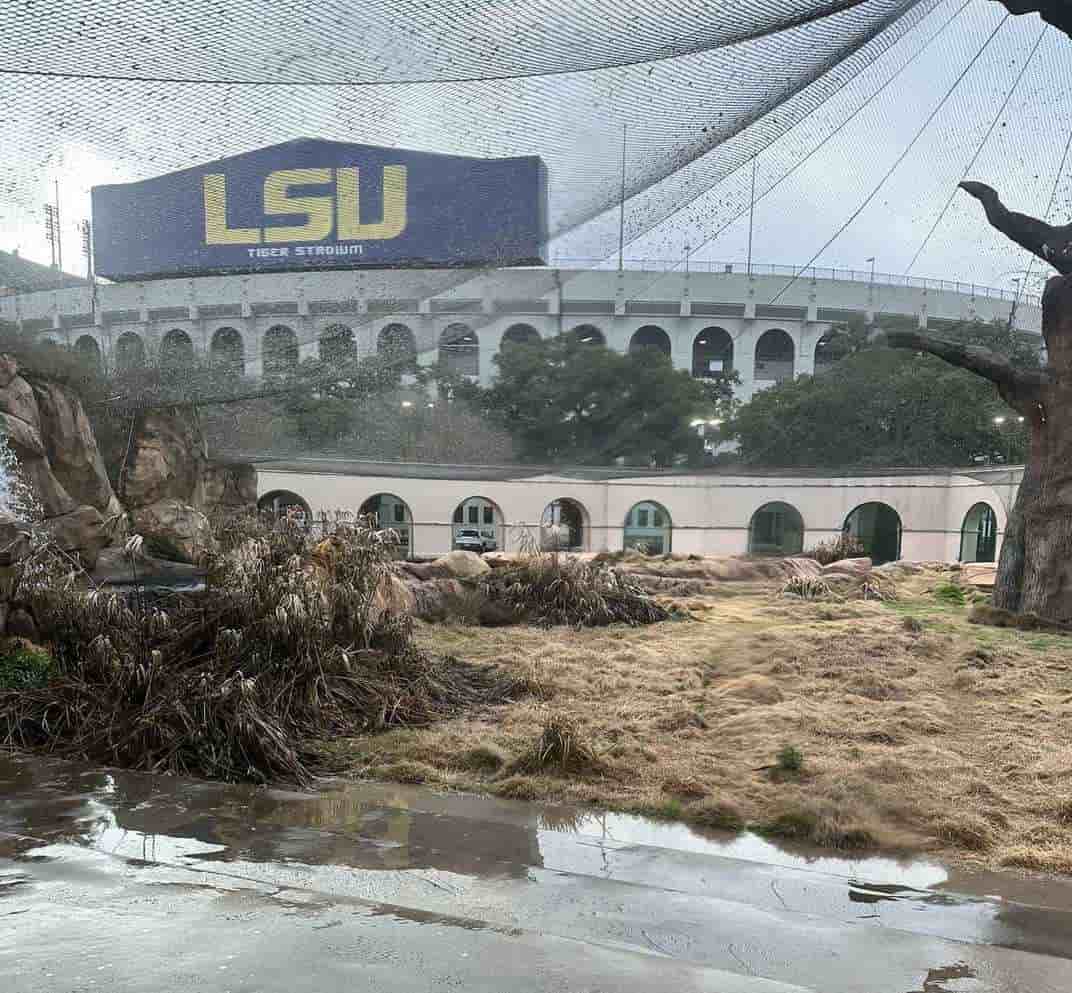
(565, 400)
(880, 407)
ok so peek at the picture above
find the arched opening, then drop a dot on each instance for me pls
(459, 350)
(284, 504)
(519, 334)
(337, 344)
(176, 348)
(390, 512)
(648, 528)
(712, 353)
(650, 337)
(129, 351)
(830, 349)
(588, 334)
(228, 351)
(877, 526)
(775, 354)
(396, 344)
(280, 351)
(979, 534)
(563, 526)
(87, 349)
(776, 529)
(477, 526)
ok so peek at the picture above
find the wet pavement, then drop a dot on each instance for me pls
(128, 882)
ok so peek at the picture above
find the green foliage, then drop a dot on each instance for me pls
(790, 759)
(24, 668)
(884, 407)
(950, 593)
(566, 401)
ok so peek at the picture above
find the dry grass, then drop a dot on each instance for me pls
(917, 728)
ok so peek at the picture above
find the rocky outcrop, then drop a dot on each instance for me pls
(166, 460)
(229, 486)
(174, 530)
(459, 565)
(47, 429)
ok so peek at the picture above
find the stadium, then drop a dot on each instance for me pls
(187, 275)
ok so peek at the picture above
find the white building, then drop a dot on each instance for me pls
(720, 318)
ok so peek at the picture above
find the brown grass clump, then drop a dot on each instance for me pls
(717, 814)
(968, 831)
(822, 822)
(484, 757)
(240, 683)
(560, 748)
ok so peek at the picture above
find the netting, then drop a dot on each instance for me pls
(820, 97)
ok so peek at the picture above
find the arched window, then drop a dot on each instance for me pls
(712, 353)
(650, 337)
(775, 354)
(776, 529)
(519, 334)
(337, 344)
(648, 528)
(878, 528)
(176, 348)
(477, 525)
(588, 334)
(564, 526)
(396, 344)
(459, 350)
(280, 351)
(390, 512)
(228, 351)
(88, 350)
(285, 504)
(129, 351)
(830, 349)
(979, 534)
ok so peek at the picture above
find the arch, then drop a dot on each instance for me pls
(979, 534)
(284, 503)
(279, 350)
(129, 351)
(588, 334)
(776, 529)
(648, 527)
(459, 350)
(712, 353)
(396, 343)
(830, 349)
(477, 513)
(649, 337)
(391, 512)
(176, 348)
(775, 356)
(564, 526)
(337, 344)
(878, 528)
(228, 351)
(87, 349)
(519, 334)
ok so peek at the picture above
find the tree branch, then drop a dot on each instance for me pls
(1018, 387)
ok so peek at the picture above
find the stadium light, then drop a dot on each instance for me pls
(999, 420)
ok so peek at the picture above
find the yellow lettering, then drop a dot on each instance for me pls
(215, 201)
(348, 206)
(316, 209)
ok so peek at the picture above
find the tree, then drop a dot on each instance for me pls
(884, 408)
(564, 400)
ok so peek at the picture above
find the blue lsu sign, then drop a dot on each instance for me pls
(323, 204)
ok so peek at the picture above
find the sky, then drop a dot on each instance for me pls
(860, 124)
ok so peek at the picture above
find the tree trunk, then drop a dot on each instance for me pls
(1010, 575)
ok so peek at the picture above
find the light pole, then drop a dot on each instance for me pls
(872, 283)
(999, 421)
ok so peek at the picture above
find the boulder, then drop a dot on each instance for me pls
(71, 448)
(14, 540)
(20, 624)
(848, 569)
(82, 532)
(167, 460)
(459, 565)
(981, 575)
(174, 530)
(229, 487)
(114, 565)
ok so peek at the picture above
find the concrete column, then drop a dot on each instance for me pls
(744, 358)
(805, 361)
(681, 339)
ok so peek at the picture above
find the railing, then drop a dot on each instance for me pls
(810, 272)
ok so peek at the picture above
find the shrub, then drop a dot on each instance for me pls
(23, 667)
(950, 593)
(806, 588)
(845, 547)
(560, 747)
(790, 759)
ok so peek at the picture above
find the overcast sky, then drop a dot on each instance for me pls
(690, 180)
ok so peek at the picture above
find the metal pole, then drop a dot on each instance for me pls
(751, 214)
(59, 236)
(621, 209)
